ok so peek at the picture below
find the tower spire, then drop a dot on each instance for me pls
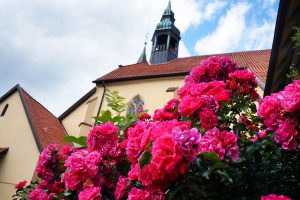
(166, 37)
(169, 5)
(143, 56)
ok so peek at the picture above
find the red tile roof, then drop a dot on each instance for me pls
(257, 61)
(47, 127)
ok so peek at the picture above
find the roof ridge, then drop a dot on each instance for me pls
(41, 118)
(22, 89)
(258, 60)
(9, 92)
(134, 64)
(76, 104)
(234, 52)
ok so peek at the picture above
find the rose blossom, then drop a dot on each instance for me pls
(217, 89)
(166, 157)
(213, 68)
(243, 82)
(78, 164)
(90, 194)
(21, 184)
(291, 97)
(103, 137)
(64, 152)
(287, 135)
(162, 128)
(208, 119)
(188, 141)
(39, 194)
(122, 186)
(222, 143)
(138, 139)
(56, 187)
(148, 194)
(262, 134)
(168, 112)
(275, 197)
(190, 105)
(269, 105)
(47, 163)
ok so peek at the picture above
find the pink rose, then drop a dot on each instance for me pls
(287, 135)
(138, 139)
(39, 194)
(269, 105)
(254, 139)
(208, 119)
(21, 184)
(103, 137)
(222, 143)
(275, 197)
(166, 153)
(90, 194)
(148, 194)
(81, 167)
(291, 97)
(122, 185)
(188, 141)
(262, 134)
(189, 105)
(47, 163)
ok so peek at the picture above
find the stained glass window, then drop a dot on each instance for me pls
(136, 105)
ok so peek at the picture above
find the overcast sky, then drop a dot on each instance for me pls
(55, 49)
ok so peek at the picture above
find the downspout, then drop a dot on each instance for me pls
(102, 99)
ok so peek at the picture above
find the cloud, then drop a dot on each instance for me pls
(191, 13)
(267, 3)
(55, 49)
(236, 32)
(228, 33)
(212, 8)
(183, 50)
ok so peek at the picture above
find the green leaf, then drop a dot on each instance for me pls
(81, 140)
(145, 160)
(219, 165)
(244, 107)
(105, 116)
(253, 108)
(67, 193)
(117, 119)
(149, 145)
(211, 156)
(225, 176)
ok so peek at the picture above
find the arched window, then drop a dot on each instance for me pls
(135, 105)
(4, 110)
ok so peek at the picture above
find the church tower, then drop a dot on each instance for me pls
(165, 40)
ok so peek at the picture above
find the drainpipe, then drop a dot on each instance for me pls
(102, 99)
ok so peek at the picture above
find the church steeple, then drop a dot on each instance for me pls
(165, 39)
(143, 56)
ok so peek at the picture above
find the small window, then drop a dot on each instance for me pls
(4, 110)
(173, 43)
(162, 39)
(136, 105)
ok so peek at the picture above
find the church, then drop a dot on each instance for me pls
(146, 84)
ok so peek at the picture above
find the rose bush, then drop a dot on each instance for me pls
(208, 144)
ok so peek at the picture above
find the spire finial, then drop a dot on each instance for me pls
(143, 56)
(146, 39)
(169, 5)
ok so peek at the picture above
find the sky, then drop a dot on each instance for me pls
(55, 49)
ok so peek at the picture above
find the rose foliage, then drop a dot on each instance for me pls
(208, 144)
